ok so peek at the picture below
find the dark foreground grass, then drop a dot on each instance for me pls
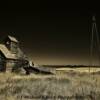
(54, 87)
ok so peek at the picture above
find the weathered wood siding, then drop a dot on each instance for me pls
(2, 62)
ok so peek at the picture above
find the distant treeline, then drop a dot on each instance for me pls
(69, 66)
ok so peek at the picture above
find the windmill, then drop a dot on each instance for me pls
(94, 36)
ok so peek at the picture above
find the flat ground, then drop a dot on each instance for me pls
(70, 85)
(80, 70)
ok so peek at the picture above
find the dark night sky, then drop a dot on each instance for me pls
(51, 32)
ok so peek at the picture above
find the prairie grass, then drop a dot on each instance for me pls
(69, 86)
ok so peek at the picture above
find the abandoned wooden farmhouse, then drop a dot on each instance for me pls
(11, 56)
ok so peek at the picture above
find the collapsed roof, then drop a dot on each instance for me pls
(6, 52)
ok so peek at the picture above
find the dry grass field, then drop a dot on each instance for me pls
(68, 86)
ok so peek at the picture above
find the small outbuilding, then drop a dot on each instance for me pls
(11, 56)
